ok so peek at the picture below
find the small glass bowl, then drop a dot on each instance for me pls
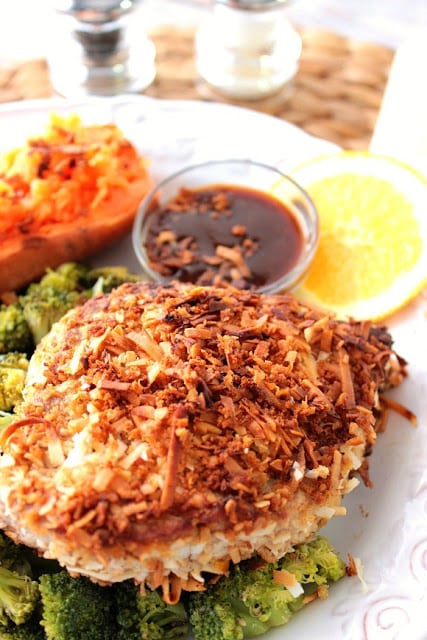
(240, 174)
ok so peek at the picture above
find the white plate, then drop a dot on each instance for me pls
(386, 526)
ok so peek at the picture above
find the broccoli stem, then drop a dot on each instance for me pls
(18, 597)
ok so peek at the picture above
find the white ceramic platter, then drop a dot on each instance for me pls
(386, 526)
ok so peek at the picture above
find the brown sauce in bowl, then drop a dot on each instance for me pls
(223, 234)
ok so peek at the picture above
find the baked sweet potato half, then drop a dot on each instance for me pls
(66, 195)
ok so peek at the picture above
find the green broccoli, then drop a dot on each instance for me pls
(252, 599)
(14, 556)
(244, 604)
(25, 321)
(76, 608)
(22, 562)
(19, 594)
(314, 563)
(148, 616)
(212, 619)
(61, 289)
(13, 371)
(104, 279)
(30, 630)
(69, 276)
(43, 305)
(46, 301)
(15, 334)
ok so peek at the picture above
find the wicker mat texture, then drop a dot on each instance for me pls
(336, 93)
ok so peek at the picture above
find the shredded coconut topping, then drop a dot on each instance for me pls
(192, 412)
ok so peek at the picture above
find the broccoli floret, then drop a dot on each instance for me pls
(15, 334)
(24, 323)
(211, 619)
(14, 556)
(22, 559)
(19, 593)
(30, 630)
(314, 563)
(105, 279)
(42, 306)
(147, 615)
(69, 276)
(242, 605)
(61, 289)
(13, 371)
(19, 596)
(46, 301)
(253, 598)
(76, 608)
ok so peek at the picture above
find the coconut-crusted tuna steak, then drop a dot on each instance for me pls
(168, 431)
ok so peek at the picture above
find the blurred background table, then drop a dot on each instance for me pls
(348, 47)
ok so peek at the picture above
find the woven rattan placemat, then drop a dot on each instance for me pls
(336, 93)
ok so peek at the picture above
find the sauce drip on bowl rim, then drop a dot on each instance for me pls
(223, 233)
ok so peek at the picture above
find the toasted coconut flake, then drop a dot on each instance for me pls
(144, 340)
(406, 413)
(334, 476)
(137, 452)
(113, 385)
(298, 471)
(351, 484)
(103, 479)
(54, 449)
(323, 591)
(325, 512)
(347, 382)
(318, 472)
(289, 581)
(210, 424)
(355, 568)
(179, 421)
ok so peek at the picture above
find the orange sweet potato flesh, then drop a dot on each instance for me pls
(65, 196)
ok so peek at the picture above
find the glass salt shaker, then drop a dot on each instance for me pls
(247, 49)
(94, 52)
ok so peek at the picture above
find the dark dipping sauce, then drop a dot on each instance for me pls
(223, 234)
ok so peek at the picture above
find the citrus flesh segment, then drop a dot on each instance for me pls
(372, 253)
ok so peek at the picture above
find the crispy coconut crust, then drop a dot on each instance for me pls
(168, 431)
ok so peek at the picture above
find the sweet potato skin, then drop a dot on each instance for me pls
(65, 196)
(26, 257)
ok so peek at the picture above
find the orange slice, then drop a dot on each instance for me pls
(372, 253)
